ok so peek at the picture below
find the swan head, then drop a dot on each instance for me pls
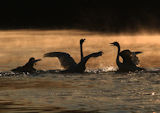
(32, 59)
(82, 40)
(115, 44)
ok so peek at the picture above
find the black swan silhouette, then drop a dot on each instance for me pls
(130, 60)
(28, 67)
(68, 62)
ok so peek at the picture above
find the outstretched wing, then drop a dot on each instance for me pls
(65, 59)
(96, 54)
(129, 57)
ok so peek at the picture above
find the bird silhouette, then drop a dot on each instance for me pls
(68, 63)
(130, 60)
(28, 67)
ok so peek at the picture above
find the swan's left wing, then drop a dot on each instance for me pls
(65, 59)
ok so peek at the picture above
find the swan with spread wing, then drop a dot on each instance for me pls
(68, 63)
(130, 60)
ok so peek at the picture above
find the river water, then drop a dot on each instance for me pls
(98, 90)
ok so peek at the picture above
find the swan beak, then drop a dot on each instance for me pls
(138, 52)
(101, 52)
(111, 44)
(37, 60)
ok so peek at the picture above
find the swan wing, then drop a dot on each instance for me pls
(96, 54)
(65, 59)
(134, 57)
(129, 57)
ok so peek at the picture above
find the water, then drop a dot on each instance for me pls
(90, 92)
(98, 90)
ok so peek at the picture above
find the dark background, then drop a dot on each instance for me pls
(94, 15)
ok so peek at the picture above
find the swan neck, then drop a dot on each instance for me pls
(81, 51)
(117, 59)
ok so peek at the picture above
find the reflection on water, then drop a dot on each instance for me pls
(97, 91)
(77, 93)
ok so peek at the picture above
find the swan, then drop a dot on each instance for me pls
(68, 63)
(130, 60)
(28, 67)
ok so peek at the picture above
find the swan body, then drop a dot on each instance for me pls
(68, 63)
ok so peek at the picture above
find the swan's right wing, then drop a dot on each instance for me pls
(135, 58)
(129, 57)
(65, 59)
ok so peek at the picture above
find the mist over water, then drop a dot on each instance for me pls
(18, 46)
(98, 90)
